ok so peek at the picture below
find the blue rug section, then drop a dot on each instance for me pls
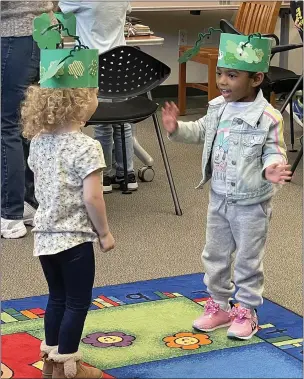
(284, 331)
(248, 361)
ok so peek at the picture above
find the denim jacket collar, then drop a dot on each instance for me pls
(253, 112)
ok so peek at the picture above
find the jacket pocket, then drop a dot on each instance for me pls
(252, 145)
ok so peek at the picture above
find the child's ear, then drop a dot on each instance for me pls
(258, 79)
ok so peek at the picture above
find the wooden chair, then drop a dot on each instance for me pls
(252, 17)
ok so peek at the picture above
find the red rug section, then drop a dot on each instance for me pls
(19, 352)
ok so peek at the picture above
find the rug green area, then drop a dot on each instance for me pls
(149, 323)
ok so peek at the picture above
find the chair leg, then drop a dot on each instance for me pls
(124, 157)
(296, 162)
(293, 150)
(178, 210)
(182, 89)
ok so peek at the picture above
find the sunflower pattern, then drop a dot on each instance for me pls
(187, 341)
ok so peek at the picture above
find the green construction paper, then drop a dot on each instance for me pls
(46, 39)
(55, 69)
(189, 54)
(68, 20)
(64, 71)
(244, 53)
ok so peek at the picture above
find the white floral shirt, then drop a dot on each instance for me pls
(60, 163)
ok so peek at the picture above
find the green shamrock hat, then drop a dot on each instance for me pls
(244, 53)
(59, 67)
(68, 20)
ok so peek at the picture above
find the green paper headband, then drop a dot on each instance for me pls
(238, 52)
(244, 53)
(59, 67)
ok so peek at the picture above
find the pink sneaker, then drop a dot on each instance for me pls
(244, 324)
(213, 318)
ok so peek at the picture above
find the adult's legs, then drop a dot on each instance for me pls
(19, 69)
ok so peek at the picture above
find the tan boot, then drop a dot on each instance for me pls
(47, 370)
(69, 366)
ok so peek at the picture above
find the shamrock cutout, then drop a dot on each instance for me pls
(76, 69)
(93, 68)
(55, 69)
(68, 21)
(46, 39)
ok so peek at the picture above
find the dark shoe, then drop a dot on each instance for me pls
(132, 183)
(107, 184)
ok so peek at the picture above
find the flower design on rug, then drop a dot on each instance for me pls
(187, 341)
(110, 339)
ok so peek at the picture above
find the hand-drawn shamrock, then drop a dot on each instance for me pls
(243, 53)
(259, 54)
(60, 70)
(76, 69)
(93, 68)
(55, 69)
(230, 58)
(46, 39)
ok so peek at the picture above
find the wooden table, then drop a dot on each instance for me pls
(144, 41)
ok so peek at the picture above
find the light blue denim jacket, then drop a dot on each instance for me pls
(255, 142)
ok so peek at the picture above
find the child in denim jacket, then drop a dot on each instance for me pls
(245, 158)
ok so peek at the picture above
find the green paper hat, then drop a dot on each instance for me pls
(244, 53)
(63, 68)
(68, 20)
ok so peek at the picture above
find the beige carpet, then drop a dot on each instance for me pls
(153, 242)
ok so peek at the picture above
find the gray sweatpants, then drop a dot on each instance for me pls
(239, 229)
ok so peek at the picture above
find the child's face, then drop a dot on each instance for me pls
(93, 104)
(237, 85)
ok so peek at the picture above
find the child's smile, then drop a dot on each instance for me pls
(236, 85)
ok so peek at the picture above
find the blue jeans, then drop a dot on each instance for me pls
(70, 277)
(106, 135)
(19, 69)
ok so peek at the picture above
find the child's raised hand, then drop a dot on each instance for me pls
(278, 173)
(107, 242)
(169, 115)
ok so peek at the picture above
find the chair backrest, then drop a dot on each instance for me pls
(126, 71)
(257, 17)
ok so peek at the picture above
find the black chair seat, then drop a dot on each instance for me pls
(133, 110)
(281, 80)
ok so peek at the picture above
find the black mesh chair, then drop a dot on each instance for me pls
(126, 76)
(279, 80)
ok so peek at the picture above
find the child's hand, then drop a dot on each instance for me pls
(107, 242)
(169, 115)
(278, 173)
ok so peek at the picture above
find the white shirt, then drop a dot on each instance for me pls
(99, 24)
(60, 163)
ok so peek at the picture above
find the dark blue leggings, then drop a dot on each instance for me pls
(70, 277)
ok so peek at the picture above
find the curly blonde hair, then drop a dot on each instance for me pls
(47, 109)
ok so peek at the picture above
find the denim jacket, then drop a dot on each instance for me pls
(255, 142)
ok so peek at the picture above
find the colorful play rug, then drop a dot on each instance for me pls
(143, 330)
